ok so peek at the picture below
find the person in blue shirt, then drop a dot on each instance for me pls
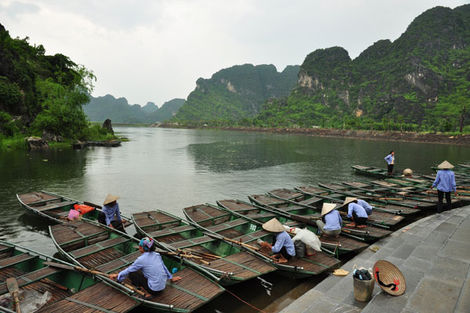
(331, 221)
(355, 212)
(390, 159)
(148, 270)
(365, 205)
(283, 246)
(445, 183)
(110, 214)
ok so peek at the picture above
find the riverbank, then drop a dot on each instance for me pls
(357, 134)
(433, 255)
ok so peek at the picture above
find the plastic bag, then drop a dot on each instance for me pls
(307, 237)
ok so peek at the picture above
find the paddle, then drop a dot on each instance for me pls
(234, 241)
(12, 285)
(85, 270)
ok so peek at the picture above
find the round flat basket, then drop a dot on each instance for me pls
(389, 278)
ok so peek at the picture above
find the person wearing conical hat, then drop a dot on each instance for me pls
(445, 183)
(407, 172)
(110, 214)
(283, 246)
(390, 159)
(331, 221)
(355, 212)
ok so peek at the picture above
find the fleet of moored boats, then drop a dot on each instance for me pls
(215, 245)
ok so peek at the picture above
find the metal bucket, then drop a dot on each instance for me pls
(363, 289)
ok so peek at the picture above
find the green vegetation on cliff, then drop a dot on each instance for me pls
(236, 93)
(419, 82)
(41, 94)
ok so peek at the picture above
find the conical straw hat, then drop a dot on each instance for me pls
(110, 198)
(273, 225)
(327, 208)
(389, 278)
(445, 166)
(407, 172)
(348, 200)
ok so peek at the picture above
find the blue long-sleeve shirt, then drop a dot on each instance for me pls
(333, 220)
(365, 205)
(283, 240)
(152, 267)
(445, 181)
(356, 208)
(110, 212)
(389, 159)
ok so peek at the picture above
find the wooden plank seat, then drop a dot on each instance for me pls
(268, 200)
(192, 242)
(152, 219)
(251, 236)
(97, 298)
(16, 259)
(30, 277)
(171, 231)
(32, 198)
(55, 205)
(67, 234)
(227, 225)
(118, 263)
(96, 247)
(242, 264)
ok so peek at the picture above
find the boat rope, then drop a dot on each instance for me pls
(249, 304)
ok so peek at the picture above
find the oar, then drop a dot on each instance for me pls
(85, 270)
(234, 241)
(12, 285)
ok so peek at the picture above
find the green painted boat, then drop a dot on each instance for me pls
(94, 246)
(372, 171)
(370, 234)
(337, 246)
(70, 291)
(56, 207)
(232, 264)
(381, 217)
(245, 231)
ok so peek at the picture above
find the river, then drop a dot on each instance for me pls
(171, 169)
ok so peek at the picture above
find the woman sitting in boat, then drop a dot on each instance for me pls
(331, 222)
(111, 215)
(283, 246)
(148, 270)
(356, 212)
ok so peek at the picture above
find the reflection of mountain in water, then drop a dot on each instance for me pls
(239, 156)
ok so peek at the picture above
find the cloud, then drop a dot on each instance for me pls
(148, 50)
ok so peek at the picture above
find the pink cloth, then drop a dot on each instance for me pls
(73, 214)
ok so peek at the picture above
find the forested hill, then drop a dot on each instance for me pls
(421, 81)
(41, 93)
(236, 92)
(119, 110)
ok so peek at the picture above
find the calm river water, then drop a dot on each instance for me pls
(171, 169)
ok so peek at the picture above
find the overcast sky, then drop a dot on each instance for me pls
(153, 50)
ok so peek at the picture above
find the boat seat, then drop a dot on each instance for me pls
(170, 231)
(55, 205)
(192, 242)
(252, 236)
(227, 225)
(13, 260)
(96, 247)
(118, 263)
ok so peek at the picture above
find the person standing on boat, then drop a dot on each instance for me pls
(148, 270)
(355, 212)
(111, 215)
(445, 182)
(331, 222)
(283, 246)
(390, 159)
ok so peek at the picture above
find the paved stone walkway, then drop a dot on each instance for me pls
(434, 256)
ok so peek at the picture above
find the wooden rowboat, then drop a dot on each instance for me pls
(232, 264)
(70, 291)
(370, 234)
(336, 246)
(94, 246)
(245, 231)
(56, 207)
